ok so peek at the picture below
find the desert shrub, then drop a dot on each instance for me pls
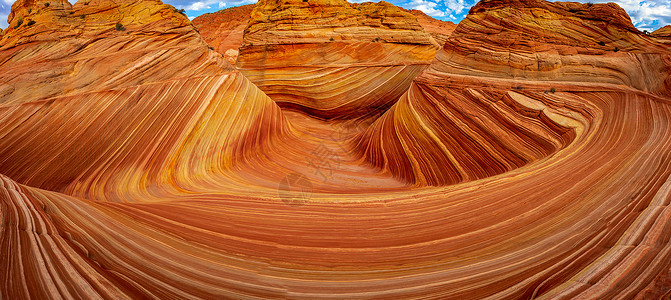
(602, 43)
(19, 22)
(31, 23)
(46, 4)
(616, 49)
(120, 27)
(552, 90)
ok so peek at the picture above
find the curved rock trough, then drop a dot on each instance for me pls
(529, 156)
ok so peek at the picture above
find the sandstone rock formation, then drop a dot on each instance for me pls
(223, 30)
(503, 48)
(529, 160)
(663, 34)
(439, 30)
(322, 57)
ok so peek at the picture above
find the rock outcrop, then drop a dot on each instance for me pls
(663, 34)
(515, 52)
(223, 30)
(440, 30)
(530, 159)
(131, 74)
(321, 57)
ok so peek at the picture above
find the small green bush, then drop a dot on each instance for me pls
(552, 90)
(616, 49)
(602, 43)
(31, 23)
(46, 4)
(589, 4)
(120, 27)
(331, 39)
(19, 22)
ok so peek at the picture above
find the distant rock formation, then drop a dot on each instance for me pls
(223, 30)
(440, 30)
(332, 60)
(663, 34)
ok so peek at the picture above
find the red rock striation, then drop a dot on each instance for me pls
(440, 30)
(223, 30)
(529, 160)
(663, 34)
(322, 57)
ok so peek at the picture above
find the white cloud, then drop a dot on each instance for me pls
(242, 2)
(3, 21)
(456, 6)
(199, 5)
(209, 4)
(428, 7)
(644, 13)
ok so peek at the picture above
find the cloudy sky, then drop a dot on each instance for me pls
(646, 15)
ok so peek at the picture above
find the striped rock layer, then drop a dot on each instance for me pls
(223, 30)
(439, 30)
(663, 34)
(323, 56)
(528, 161)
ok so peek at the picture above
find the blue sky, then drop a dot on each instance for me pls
(646, 15)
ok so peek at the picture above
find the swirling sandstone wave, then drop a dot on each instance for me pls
(158, 177)
(332, 60)
(506, 88)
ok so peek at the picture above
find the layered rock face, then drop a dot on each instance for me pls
(223, 30)
(663, 34)
(439, 30)
(95, 85)
(529, 160)
(322, 57)
(500, 70)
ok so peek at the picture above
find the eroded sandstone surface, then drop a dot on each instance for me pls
(530, 157)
